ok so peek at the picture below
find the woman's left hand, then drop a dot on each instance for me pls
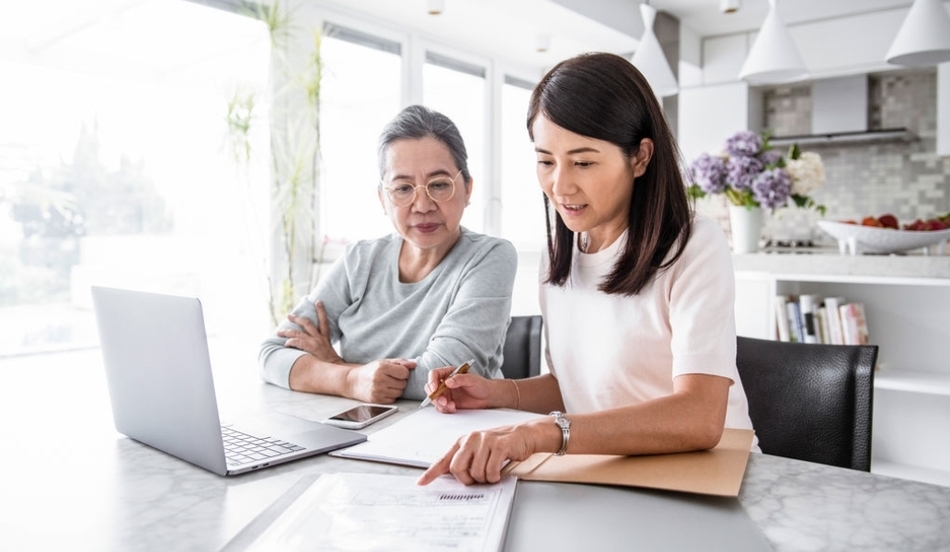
(480, 456)
(311, 338)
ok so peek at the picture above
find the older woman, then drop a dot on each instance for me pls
(430, 295)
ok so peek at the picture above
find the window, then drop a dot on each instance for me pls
(522, 207)
(114, 165)
(360, 92)
(457, 90)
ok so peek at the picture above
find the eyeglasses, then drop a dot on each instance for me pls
(439, 189)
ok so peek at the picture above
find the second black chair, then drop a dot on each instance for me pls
(808, 401)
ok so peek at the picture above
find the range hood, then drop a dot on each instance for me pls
(846, 138)
(840, 116)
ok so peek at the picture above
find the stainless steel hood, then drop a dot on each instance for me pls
(846, 138)
(839, 116)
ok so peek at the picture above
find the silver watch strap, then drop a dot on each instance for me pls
(565, 426)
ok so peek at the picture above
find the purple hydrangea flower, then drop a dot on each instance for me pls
(772, 188)
(742, 170)
(770, 157)
(709, 173)
(744, 143)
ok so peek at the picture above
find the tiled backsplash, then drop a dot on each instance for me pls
(908, 180)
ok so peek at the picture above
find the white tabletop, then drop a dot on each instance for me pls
(77, 484)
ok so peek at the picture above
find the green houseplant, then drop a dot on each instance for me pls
(290, 247)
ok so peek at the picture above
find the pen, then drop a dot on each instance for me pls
(435, 394)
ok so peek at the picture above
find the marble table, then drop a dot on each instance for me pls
(79, 485)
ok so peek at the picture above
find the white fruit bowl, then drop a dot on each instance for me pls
(855, 238)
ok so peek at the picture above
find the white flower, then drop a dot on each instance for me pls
(808, 173)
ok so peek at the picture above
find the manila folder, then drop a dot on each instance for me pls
(717, 471)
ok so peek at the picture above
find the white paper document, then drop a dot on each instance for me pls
(374, 512)
(422, 437)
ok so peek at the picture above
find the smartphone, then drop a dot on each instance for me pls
(361, 416)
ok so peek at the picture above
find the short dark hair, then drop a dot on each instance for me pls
(415, 122)
(603, 96)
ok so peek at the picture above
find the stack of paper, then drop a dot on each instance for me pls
(372, 512)
(422, 437)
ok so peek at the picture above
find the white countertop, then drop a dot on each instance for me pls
(825, 261)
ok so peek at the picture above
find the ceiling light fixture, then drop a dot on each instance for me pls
(729, 6)
(436, 7)
(650, 60)
(924, 37)
(543, 43)
(773, 57)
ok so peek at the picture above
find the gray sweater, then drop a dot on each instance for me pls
(458, 312)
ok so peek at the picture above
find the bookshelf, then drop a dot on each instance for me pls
(907, 305)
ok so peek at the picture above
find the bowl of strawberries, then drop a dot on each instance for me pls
(885, 234)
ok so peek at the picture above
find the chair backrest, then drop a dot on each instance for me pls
(810, 401)
(522, 347)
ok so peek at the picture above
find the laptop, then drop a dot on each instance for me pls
(158, 370)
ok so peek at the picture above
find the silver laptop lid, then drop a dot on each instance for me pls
(158, 369)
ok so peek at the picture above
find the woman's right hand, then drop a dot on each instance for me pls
(463, 391)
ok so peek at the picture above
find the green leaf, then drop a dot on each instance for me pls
(806, 202)
(695, 192)
(794, 152)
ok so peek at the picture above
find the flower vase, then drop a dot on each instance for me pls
(746, 224)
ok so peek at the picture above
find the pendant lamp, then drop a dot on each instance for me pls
(435, 7)
(924, 37)
(773, 57)
(651, 61)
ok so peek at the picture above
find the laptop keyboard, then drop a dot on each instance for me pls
(241, 448)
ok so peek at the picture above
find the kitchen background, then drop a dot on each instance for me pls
(907, 179)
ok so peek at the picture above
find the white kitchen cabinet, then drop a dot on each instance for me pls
(907, 304)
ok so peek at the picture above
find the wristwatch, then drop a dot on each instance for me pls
(565, 426)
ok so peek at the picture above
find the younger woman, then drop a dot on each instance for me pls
(637, 291)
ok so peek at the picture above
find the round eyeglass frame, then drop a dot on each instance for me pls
(415, 189)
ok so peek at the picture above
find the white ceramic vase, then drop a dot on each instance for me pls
(746, 227)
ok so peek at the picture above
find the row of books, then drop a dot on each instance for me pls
(809, 318)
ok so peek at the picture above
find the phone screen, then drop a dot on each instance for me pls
(361, 413)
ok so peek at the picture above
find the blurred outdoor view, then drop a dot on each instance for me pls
(135, 152)
(115, 167)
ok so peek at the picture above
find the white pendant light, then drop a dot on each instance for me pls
(651, 61)
(924, 37)
(729, 6)
(773, 57)
(435, 7)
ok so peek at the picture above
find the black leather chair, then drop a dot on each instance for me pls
(808, 401)
(522, 347)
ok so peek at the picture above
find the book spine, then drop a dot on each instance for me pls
(795, 331)
(807, 311)
(781, 318)
(861, 335)
(854, 324)
(821, 315)
(834, 320)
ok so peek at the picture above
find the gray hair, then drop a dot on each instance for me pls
(416, 122)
